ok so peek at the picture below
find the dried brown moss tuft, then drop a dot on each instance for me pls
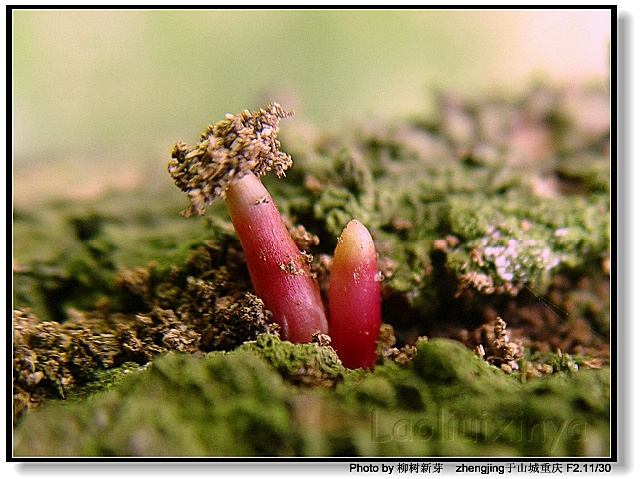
(500, 350)
(202, 306)
(229, 150)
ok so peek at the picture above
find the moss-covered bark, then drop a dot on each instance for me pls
(496, 207)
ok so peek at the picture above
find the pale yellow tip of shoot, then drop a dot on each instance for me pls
(355, 242)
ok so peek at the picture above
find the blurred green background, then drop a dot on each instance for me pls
(99, 97)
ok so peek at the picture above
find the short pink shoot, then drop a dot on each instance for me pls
(354, 298)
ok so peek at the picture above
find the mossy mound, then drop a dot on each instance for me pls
(249, 403)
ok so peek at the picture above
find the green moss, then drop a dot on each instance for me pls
(300, 363)
(485, 198)
(506, 232)
(180, 406)
(445, 361)
(246, 403)
(100, 379)
(69, 255)
(523, 240)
